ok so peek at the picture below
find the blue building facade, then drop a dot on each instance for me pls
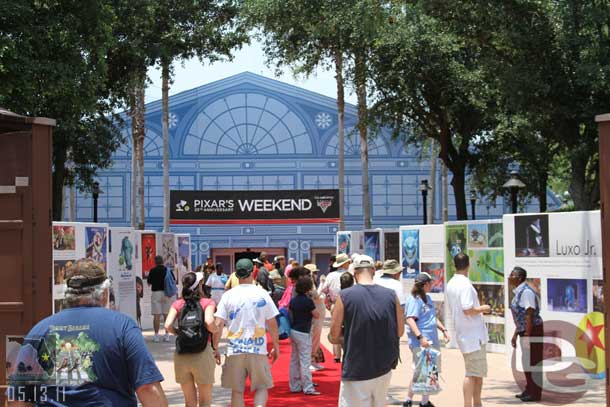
(249, 132)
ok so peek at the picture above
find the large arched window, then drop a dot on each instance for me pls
(153, 144)
(377, 145)
(246, 124)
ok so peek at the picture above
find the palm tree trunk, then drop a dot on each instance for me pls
(341, 134)
(165, 69)
(432, 179)
(134, 157)
(360, 78)
(141, 134)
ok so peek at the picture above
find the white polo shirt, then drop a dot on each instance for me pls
(470, 330)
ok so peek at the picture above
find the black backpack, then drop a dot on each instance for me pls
(192, 332)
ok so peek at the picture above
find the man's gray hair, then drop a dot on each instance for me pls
(93, 295)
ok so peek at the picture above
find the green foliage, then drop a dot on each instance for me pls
(53, 63)
(208, 29)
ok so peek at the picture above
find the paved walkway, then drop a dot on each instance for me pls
(498, 389)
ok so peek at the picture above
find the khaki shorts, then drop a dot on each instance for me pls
(237, 367)
(195, 367)
(159, 303)
(476, 363)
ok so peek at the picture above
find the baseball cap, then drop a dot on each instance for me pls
(278, 258)
(85, 273)
(391, 267)
(423, 278)
(258, 261)
(243, 268)
(363, 261)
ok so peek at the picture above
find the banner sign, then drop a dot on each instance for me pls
(258, 207)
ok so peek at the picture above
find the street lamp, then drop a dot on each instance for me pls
(473, 202)
(513, 185)
(424, 194)
(96, 194)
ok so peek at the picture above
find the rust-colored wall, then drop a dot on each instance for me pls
(25, 227)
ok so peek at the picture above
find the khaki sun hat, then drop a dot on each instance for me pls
(340, 260)
(391, 267)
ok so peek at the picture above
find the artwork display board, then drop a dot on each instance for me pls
(73, 241)
(183, 246)
(562, 254)
(483, 242)
(421, 250)
(391, 244)
(373, 243)
(146, 250)
(122, 270)
(350, 242)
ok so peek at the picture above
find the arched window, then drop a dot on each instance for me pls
(377, 145)
(246, 124)
(153, 144)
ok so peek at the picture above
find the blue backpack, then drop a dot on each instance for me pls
(170, 284)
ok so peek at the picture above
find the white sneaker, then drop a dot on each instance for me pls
(166, 338)
(156, 339)
(315, 367)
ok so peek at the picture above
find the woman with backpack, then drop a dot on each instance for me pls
(194, 359)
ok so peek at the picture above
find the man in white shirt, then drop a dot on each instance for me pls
(390, 278)
(470, 330)
(331, 289)
(246, 310)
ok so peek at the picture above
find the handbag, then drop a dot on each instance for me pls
(426, 373)
(283, 323)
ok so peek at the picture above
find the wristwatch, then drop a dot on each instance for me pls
(418, 337)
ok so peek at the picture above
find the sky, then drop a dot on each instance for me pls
(250, 58)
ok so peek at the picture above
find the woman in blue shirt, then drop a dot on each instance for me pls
(422, 326)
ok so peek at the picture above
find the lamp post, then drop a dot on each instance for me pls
(513, 185)
(424, 195)
(96, 194)
(473, 202)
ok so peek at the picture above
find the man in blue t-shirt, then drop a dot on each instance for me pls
(86, 355)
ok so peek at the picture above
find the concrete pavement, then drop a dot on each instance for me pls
(499, 387)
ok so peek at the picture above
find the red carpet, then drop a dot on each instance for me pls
(328, 379)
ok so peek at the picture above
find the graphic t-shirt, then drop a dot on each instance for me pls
(301, 307)
(217, 284)
(84, 356)
(245, 310)
(425, 318)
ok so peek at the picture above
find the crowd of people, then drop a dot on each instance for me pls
(369, 311)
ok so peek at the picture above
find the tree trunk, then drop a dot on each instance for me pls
(542, 199)
(59, 179)
(458, 182)
(578, 189)
(165, 70)
(72, 203)
(134, 156)
(360, 79)
(141, 135)
(445, 192)
(341, 134)
(432, 183)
